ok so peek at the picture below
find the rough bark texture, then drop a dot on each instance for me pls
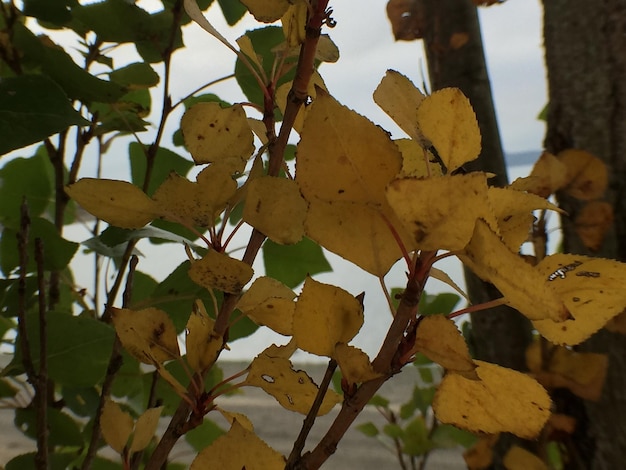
(500, 335)
(586, 59)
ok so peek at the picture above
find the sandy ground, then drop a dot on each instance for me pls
(279, 427)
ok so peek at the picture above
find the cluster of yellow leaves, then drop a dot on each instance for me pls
(124, 434)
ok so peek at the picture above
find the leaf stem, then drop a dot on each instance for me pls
(478, 307)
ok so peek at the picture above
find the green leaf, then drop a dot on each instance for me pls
(9, 304)
(136, 75)
(290, 264)
(119, 21)
(203, 435)
(415, 438)
(369, 429)
(58, 461)
(7, 389)
(103, 464)
(233, 10)
(378, 400)
(81, 401)
(129, 380)
(63, 430)
(407, 410)
(53, 11)
(423, 398)
(143, 286)
(165, 162)
(443, 303)
(53, 61)
(83, 342)
(446, 436)
(33, 107)
(264, 42)
(394, 431)
(24, 178)
(58, 252)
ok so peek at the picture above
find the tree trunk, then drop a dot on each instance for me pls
(455, 56)
(585, 46)
(454, 51)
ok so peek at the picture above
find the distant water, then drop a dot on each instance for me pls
(522, 158)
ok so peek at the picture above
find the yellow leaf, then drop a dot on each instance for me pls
(358, 233)
(447, 119)
(245, 45)
(593, 222)
(170, 379)
(359, 161)
(592, 289)
(548, 175)
(270, 303)
(327, 50)
(202, 345)
(520, 459)
(220, 271)
(503, 400)
(239, 448)
(440, 340)
(355, 365)
(275, 208)
(117, 202)
(400, 99)
(325, 315)
(523, 287)
(359, 158)
(196, 204)
(417, 162)
(441, 212)
(145, 428)
(514, 212)
(233, 417)
(266, 11)
(148, 335)
(587, 175)
(213, 133)
(294, 23)
(116, 426)
(294, 390)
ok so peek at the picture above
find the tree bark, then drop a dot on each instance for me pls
(455, 55)
(585, 47)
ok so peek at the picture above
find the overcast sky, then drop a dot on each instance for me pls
(513, 45)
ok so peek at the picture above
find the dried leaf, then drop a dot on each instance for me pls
(148, 335)
(400, 99)
(503, 400)
(202, 344)
(294, 390)
(145, 427)
(239, 448)
(220, 271)
(117, 202)
(116, 426)
(480, 455)
(592, 289)
(355, 365)
(548, 175)
(269, 303)
(441, 212)
(447, 119)
(406, 19)
(325, 315)
(593, 222)
(267, 11)
(587, 175)
(275, 208)
(523, 287)
(439, 339)
(213, 133)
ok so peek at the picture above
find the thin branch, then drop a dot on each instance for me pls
(41, 388)
(307, 425)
